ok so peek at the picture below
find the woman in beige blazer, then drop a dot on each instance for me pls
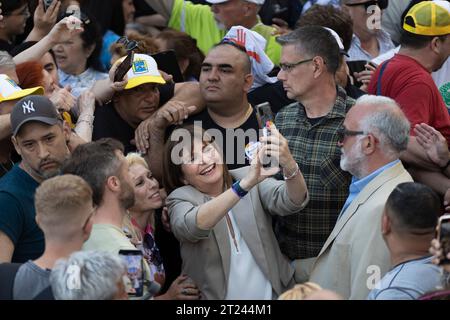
(223, 219)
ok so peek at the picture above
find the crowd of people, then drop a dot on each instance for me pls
(138, 159)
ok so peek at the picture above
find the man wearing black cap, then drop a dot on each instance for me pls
(40, 137)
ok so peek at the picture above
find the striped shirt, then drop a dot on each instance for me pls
(314, 147)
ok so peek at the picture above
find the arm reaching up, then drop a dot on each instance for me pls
(62, 31)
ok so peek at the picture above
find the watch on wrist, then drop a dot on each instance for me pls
(236, 187)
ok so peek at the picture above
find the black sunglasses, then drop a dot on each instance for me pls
(342, 132)
(128, 44)
(383, 4)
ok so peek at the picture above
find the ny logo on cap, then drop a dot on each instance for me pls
(28, 107)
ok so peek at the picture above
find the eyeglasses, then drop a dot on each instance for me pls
(342, 132)
(128, 44)
(383, 4)
(288, 67)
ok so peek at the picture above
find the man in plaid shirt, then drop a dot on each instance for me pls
(310, 58)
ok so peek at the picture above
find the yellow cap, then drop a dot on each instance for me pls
(9, 90)
(143, 70)
(428, 18)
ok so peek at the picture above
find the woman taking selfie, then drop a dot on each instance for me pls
(223, 219)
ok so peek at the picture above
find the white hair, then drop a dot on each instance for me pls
(387, 122)
(87, 275)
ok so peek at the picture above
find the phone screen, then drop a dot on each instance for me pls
(265, 117)
(444, 237)
(135, 271)
(264, 114)
(123, 68)
(47, 4)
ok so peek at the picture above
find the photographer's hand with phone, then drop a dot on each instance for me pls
(365, 76)
(437, 253)
(275, 145)
(44, 20)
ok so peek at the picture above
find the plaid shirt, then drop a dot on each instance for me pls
(315, 149)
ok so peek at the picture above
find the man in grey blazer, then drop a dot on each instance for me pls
(355, 257)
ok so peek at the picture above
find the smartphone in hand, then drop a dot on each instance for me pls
(443, 235)
(47, 4)
(134, 261)
(265, 118)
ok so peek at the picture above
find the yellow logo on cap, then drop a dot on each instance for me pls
(140, 66)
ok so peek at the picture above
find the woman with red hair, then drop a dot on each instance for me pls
(32, 74)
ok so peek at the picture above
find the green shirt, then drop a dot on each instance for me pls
(315, 149)
(107, 237)
(199, 23)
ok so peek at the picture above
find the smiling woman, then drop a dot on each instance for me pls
(222, 218)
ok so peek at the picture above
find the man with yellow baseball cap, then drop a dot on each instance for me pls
(425, 46)
(145, 92)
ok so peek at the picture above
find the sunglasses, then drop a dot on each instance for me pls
(342, 132)
(383, 4)
(80, 15)
(128, 44)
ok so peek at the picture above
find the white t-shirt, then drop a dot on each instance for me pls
(246, 281)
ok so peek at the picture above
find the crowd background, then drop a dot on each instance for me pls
(93, 167)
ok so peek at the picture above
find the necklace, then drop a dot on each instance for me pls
(230, 227)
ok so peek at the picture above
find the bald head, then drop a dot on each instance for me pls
(238, 54)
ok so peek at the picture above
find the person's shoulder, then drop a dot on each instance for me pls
(106, 237)
(422, 269)
(16, 181)
(183, 193)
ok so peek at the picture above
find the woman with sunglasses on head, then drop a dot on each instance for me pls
(78, 58)
(223, 219)
(140, 226)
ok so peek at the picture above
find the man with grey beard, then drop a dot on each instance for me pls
(40, 137)
(354, 257)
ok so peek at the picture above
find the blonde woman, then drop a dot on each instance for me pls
(139, 224)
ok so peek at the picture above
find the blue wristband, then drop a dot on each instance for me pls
(236, 187)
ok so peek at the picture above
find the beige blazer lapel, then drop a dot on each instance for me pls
(360, 199)
(244, 215)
